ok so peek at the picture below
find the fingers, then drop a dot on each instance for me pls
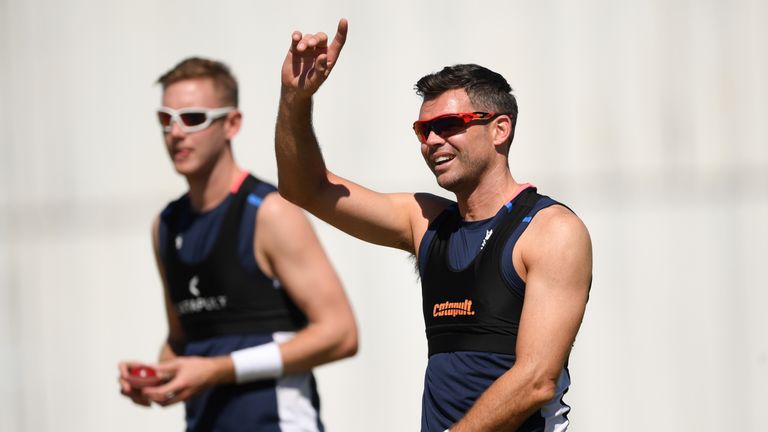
(336, 45)
(164, 394)
(125, 367)
(171, 391)
(125, 386)
(310, 42)
(136, 397)
(169, 397)
(311, 58)
(341, 34)
(321, 64)
(133, 394)
(169, 368)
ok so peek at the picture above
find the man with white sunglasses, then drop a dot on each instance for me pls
(505, 272)
(252, 301)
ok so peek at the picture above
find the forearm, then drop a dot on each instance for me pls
(506, 404)
(316, 345)
(300, 164)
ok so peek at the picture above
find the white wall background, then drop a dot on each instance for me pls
(647, 117)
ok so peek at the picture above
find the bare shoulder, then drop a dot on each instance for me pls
(431, 205)
(278, 217)
(275, 208)
(558, 221)
(429, 208)
(557, 237)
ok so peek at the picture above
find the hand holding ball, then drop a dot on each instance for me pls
(140, 376)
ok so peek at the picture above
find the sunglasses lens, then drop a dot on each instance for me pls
(442, 126)
(447, 125)
(193, 118)
(164, 118)
(422, 130)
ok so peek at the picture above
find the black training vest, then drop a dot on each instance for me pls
(472, 309)
(216, 296)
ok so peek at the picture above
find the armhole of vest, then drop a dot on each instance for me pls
(246, 251)
(429, 236)
(508, 273)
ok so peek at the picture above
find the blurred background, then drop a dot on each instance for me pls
(648, 118)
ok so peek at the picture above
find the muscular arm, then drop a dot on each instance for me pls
(557, 259)
(394, 220)
(288, 248)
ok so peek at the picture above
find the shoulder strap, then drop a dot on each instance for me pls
(517, 211)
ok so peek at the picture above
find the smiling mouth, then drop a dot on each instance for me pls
(443, 159)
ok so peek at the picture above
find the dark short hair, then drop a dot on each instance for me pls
(195, 67)
(487, 90)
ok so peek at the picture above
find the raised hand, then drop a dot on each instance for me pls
(310, 60)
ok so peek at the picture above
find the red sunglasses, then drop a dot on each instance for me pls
(448, 124)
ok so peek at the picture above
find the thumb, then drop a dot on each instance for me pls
(169, 369)
(161, 392)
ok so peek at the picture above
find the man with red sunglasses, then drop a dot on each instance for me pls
(252, 301)
(505, 272)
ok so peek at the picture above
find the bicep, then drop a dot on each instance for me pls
(558, 259)
(395, 220)
(296, 258)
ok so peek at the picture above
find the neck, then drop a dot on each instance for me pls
(208, 190)
(486, 197)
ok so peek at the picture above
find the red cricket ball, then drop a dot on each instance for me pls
(143, 372)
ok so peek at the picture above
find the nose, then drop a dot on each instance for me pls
(176, 130)
(433, 139)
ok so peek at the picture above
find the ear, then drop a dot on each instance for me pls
(502, 129)
(232, 124)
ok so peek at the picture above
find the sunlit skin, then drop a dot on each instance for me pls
(285, 248)
(553, 256)
(196, 154)
(476, 165)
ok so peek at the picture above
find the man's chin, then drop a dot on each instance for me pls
(184, 168)
(447, 183)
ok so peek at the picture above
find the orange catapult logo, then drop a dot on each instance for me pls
(453, 309)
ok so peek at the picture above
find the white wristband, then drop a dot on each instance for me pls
(257, 363)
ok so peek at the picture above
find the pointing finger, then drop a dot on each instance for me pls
(341, 33)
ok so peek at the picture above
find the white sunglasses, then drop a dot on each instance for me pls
(190, 119)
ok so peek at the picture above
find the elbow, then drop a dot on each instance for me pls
(543, 390)
(539, 382)
(303, 190)
(297, 195)
(348, 343)
(289, 193)
(345, 342)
